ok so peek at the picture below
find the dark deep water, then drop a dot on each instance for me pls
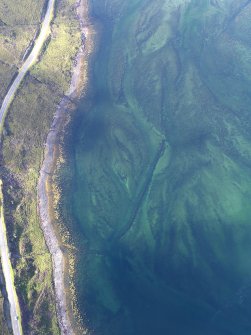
(160, 189)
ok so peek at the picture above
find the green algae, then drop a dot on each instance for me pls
(160, 188)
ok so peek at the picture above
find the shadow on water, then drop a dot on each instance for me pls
(95, 132)
(93, 126)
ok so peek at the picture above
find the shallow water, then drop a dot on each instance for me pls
(160, 155)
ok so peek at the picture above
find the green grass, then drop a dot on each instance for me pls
(19, 22)
(6, 74)
(55, 70)
(23, 12)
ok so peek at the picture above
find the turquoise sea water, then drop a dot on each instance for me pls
(159, 193)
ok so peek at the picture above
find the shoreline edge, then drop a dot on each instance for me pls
(45, 191)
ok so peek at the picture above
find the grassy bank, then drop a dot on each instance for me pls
(26, 128)
(19, 22)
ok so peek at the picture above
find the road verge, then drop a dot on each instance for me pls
(9, 273)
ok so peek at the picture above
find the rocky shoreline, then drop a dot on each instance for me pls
(51, 156)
